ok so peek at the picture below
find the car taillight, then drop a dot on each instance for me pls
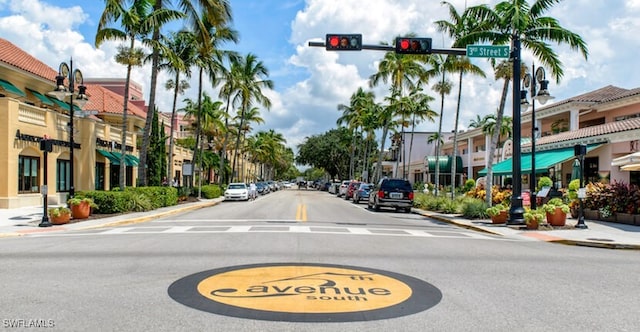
(380, 194)
(411, 196)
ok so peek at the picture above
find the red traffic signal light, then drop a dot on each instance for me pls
(342, 42)
(412, 45)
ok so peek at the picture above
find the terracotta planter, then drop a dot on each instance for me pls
(500, 218)
(61, 219)
(558, 218)
(81, 211)
(532, 224)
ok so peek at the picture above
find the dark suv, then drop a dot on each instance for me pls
(395, 193)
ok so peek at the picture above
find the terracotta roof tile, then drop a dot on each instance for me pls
(106, 101)
(14, 56)
(603, 129)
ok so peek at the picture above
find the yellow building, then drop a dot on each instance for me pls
(28, 115)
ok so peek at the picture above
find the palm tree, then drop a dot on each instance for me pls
(420, 112)
(459, 26)
(136, 23)
(353, 116)
(210, 59)
(250, 116)
(251, 75)
(502, 70)
(216, 12)
(442, 65)
(177, 56)
(400, 70)
(517, 23)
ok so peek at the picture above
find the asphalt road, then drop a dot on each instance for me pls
(212, 269)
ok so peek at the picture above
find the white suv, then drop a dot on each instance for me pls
(343, 188)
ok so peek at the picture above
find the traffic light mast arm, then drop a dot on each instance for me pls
(451, 51)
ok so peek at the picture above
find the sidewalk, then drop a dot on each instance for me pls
(599, 234)
(18, 222)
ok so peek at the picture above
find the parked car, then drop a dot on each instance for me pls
(237, 191)
(334, 187)
(362, 193)
(353, 186)
(394, 193)
(343, 188)
(263, 188)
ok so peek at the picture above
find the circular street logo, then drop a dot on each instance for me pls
(299, 292)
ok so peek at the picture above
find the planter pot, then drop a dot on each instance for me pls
(500, 218)
(591, 214)
(81, 211)
(532, 224)
(61, 219)
(625, 218)
(558, 218)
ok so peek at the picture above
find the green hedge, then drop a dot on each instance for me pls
(211, 191)
(132, 199)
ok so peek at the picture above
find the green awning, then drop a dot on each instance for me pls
(128, 160)
(544, 161)
(7, 86)
(445, 163)
(113, 159)
(42, 97)
(132, 159)
(64, 105)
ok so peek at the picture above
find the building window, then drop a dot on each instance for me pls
(100, 172)
(63, 175)
(28, 174)
(418, 177)
(591, 170)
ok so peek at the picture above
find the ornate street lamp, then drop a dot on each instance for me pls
(61, 92)
(542, 96)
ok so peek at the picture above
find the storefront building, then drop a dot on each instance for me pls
(28, 115)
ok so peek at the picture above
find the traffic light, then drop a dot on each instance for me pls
(413, 45)
(343, 42)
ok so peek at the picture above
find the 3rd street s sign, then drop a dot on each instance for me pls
(488, 51)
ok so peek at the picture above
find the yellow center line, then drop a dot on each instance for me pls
(301, 213)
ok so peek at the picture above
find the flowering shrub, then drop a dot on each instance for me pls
(498, 196)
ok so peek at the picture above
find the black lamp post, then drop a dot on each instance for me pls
(516, 212)
(46, 147)
(542, 96)
(61, 92)
(580, 151)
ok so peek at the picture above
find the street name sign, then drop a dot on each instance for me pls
(488, 51)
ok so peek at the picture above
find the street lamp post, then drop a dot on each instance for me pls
(61, 92)
(516, 212)
(581, 150)
(542, 96)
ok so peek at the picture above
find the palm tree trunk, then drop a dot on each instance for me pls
(198, 128)
(235, 152)
(173, 120)
(494, 141)
(455, 141)
(123, 148)
(223, 154)
(438, 139)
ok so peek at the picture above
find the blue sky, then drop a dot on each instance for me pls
(309, 81)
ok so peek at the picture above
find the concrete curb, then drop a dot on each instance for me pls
(149, 217)
(555, 239)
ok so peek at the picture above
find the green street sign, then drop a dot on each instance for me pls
(488, 51)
